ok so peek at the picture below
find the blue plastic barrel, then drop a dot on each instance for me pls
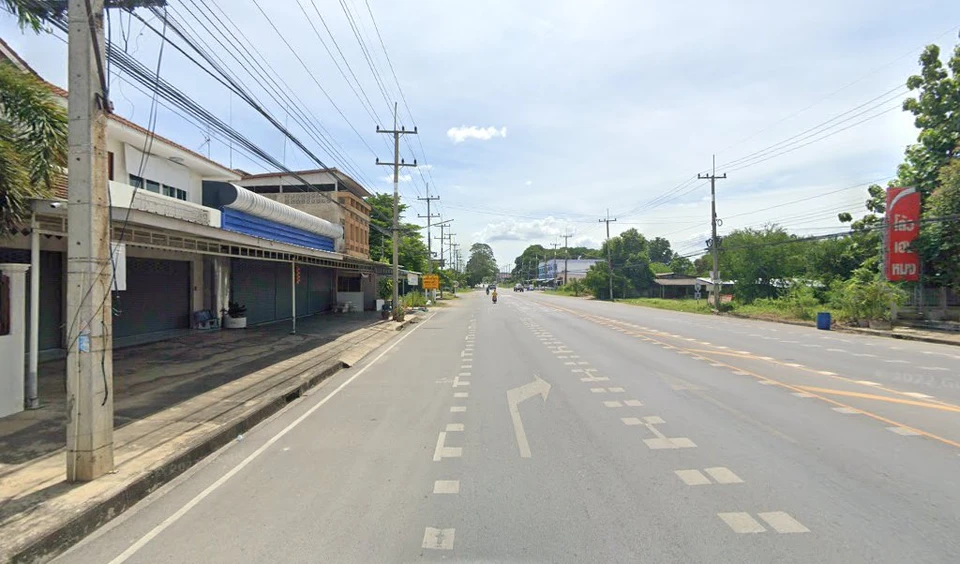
(823, 320)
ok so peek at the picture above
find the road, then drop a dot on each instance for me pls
(551, 429)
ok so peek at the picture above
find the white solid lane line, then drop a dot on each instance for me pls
(142, 541)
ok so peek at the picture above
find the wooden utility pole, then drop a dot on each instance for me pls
(714, 246)
(396, 164)
(429, 217)
(609, 260)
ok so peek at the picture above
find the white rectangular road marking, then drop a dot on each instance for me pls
(741, 373)
(803, 394)
(783, 523)
(631, 421)
(717, 364)
(581, 362)
(741, 522)
(458, 409)
(939, 368)
(595, 379)
(461, 394)
(904, 431)
(612, 404)
(826, 373)
(570, 363)
(837, 350)
(917, 395)
(653, 420)
(766, 382)
(723, 475)
(598, 390)
(446, 487)
(692, 477)
(632, 403)
(451, 427)
(665, 443)
(574, 356)
(792, 364)
(868, 383)
(847, 410)
(617, 390)
(457, 382)
(868, 355)
(466, 366)
(439, 539)
(896, 361)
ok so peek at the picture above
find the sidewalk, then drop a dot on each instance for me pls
(176, 402)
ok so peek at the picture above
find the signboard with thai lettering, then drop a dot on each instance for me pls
(431, 282)
(902, 228)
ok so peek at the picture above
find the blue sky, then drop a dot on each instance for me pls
(537, 116)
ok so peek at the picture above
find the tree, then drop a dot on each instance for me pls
(682, 265)
(29, 14)
(525, 265)
(939, 241)
(481, 266)
(937, 111)
(660, 251)
(33, 143)
(412, 251)
(756, 258)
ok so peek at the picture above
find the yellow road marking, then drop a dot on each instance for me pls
(879, 398)
(875, 416)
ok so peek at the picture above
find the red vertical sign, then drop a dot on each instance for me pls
(903, 215)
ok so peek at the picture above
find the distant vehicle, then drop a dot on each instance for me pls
(518, 288)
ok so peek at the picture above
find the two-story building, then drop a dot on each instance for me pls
(331, 195)
(190, 238)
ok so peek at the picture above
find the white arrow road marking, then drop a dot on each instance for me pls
(514, 397)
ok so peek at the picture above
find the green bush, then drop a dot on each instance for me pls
(414, 299)
(801, 302)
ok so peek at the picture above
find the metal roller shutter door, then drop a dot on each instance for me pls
(321, 282)
(254, 285)
(157, 298)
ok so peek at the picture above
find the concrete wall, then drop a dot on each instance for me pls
(12, 346)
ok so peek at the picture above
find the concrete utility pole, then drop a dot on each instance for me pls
(714, 247)
(429, 217)
(89, 323)
(609, 260)
(566, 255)
(396, 164)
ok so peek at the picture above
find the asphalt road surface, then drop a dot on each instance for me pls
(551, 429)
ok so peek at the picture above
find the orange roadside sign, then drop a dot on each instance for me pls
(431, 282)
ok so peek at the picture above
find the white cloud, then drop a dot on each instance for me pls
(464, 132)
(425, 167)
(402, 178)
(537, 230)
(529, 183)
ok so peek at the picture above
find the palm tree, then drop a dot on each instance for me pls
(33, 143)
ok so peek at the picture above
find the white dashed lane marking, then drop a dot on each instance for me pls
(904, 431)
(632, 403)
(847, 410)
(782, 522)
(458, 409)
(742, 522)
(612, 404)
(461, 394)
(446, 487)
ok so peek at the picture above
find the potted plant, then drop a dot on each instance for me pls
(235, 316)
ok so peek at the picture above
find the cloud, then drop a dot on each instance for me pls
(462, 133)
(425, 167)
(538, 230)
(529, 183)
(402, 178)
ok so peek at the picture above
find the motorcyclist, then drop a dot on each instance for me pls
(494, 295)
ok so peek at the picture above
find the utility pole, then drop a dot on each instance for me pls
(566, 255)
(429, 217)
(396, 164)
(609, 260)
(450, 237)
(89, 323)
(714, 246)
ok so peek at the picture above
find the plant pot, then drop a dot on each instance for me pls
(234, 322)
(885, 324)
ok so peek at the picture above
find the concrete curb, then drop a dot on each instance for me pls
(902, 336)
(92, 518)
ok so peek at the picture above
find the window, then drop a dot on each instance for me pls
(136, 181)
(109, 165)
(348, 284)
(153, 186)
(174, 192)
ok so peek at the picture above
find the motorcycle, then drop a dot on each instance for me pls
(494, 298)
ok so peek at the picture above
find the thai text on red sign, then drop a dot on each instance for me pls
(903, 226)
